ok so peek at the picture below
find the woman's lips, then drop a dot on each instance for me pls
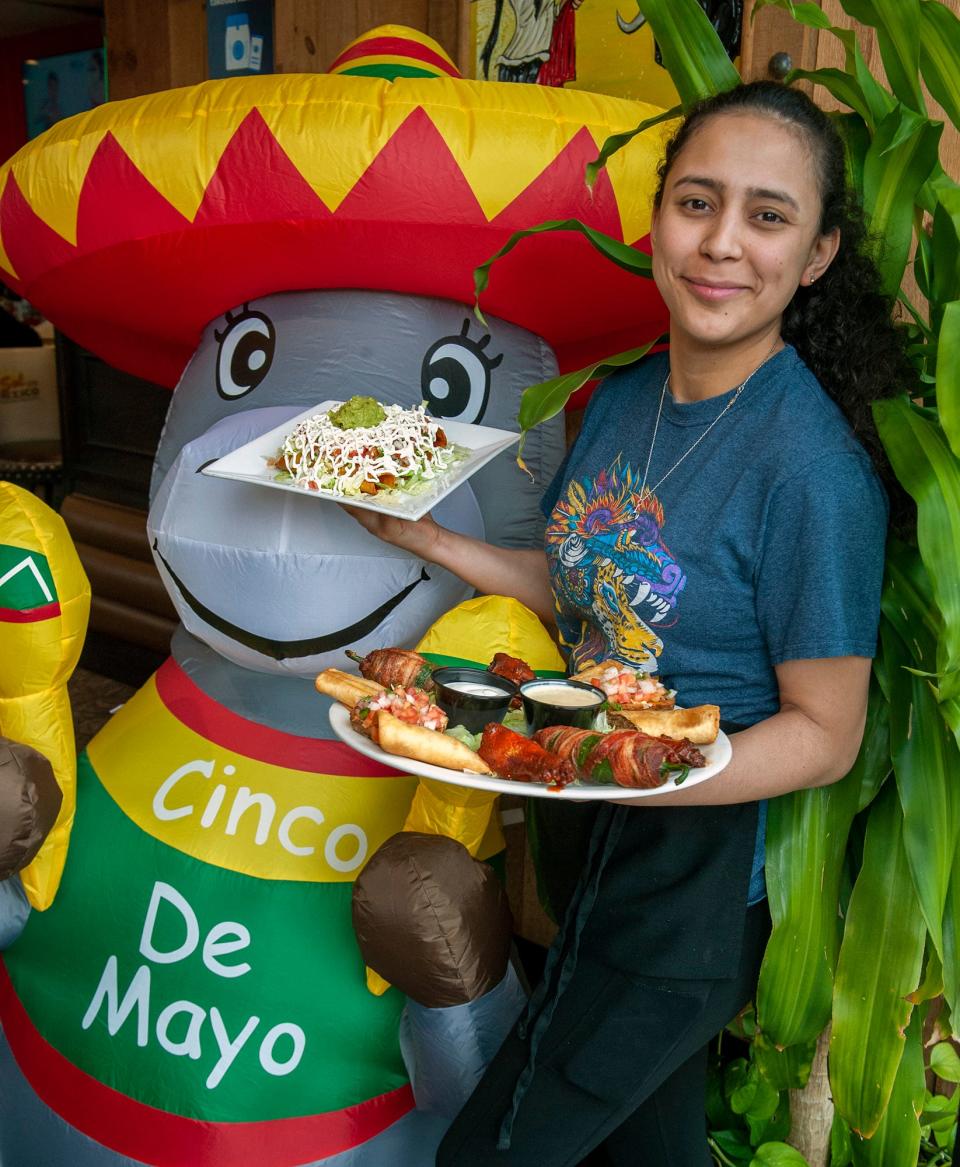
(712, 292)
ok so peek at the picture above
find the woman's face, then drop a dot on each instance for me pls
(737, 230)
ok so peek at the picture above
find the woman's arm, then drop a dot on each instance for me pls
(812, 741)
(495, 571)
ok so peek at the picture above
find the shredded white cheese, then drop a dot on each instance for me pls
(400, 448)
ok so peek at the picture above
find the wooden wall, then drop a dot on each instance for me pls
(308, 34)
(162, 44)
(774, 31)
(152, 46)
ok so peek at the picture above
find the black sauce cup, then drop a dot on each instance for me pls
(472, 710)
(542, 713)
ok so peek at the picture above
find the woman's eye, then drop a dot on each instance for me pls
(695, 204)
(770, 217)
(245, 354)
(455, 376)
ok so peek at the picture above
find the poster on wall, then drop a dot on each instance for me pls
(239, 37)
(605, 46)
(56, 87)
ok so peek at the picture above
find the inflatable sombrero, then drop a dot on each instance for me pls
(134, 225)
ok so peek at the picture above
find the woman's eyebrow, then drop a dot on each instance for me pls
(752, 192)
(779, 196)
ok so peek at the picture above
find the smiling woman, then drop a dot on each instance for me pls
(719, 522)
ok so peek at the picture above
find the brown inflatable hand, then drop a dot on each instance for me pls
(431, 920)
(29, 804)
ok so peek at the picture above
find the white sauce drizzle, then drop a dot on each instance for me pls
(340, 460)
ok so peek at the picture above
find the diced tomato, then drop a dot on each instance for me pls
(441, 439)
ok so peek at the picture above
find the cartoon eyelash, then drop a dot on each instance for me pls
(230, 319)
(480, 345)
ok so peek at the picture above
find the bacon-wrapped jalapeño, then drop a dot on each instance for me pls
(396, 668)
(625, 756)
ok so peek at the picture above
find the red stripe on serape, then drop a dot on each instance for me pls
(191, 706)
(162, 1139)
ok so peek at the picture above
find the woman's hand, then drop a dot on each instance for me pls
(493, 571)
(420, 537)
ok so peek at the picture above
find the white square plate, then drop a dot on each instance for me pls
(248, 463)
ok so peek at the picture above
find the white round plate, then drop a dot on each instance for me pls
(718, 755)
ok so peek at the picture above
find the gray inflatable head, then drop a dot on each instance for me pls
(279, 582)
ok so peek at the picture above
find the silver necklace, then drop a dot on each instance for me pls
(644, 489)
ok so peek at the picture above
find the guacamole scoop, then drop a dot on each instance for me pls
(357, 413)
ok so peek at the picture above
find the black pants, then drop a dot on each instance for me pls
(622, 1065)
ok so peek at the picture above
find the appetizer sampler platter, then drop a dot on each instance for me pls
(251, 463)
(718, 755)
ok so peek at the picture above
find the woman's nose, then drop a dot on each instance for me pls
(722, 239)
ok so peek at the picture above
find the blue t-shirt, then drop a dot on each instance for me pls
(764, 544)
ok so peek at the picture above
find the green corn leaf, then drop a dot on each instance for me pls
(908, 589)
(692, 52)
(923, 274)
(856, 139)
(546, 400)
(806, 843)
(926, 763)
(931, 191)
(784, 1069)
(930, 473)
(841, 84)
(841, 1151)
(620, 253)
(802, 11)
(897, 1137)
(877, 101)
(948, 376)
(944, 245)
(898, 34)
(879, 964)
(901, 158)
(950, 710)
(932, 984)
(951, 943)
(617, 141)
(940, 54)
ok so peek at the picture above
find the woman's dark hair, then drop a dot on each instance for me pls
(842, 325)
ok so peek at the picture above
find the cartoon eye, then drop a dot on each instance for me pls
(455, 376)
(246, 352)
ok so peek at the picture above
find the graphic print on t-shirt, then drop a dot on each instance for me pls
(616, 582)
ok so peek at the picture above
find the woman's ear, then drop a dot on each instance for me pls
(822, 254)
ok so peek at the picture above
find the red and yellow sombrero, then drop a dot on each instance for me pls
(134, 225)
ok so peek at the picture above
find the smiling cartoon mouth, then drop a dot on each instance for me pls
(287, 649)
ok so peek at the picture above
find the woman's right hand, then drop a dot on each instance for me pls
(420, 537)
(491, 570)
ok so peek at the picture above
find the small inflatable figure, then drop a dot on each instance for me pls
(195, 993)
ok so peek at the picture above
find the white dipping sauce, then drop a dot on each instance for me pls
(566, 695)
(475, 689)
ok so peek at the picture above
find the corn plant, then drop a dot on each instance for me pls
(864, 876)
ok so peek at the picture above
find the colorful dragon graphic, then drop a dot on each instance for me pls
(616, 581)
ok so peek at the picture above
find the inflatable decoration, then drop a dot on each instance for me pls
(44, 605)
(195, 996)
